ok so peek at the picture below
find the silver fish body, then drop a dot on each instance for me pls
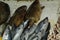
(40, 34)
(8, 33)
(2, 28)
(19, 30)
(27, 32)
(35, 32)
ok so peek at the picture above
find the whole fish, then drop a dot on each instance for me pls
(15, 21)
(4, 15)
(18, 16)
(35, 31)
(34, 12)
(42, 32)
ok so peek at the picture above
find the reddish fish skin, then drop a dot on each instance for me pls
(4, 12)
(34, 12)
(18, 16)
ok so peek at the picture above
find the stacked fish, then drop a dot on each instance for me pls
(36, 32)
(15, 21)
(21, 25)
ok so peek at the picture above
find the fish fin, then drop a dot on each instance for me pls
(42, 7)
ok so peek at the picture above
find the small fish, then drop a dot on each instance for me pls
(17, 19)
(39, 27)
(18, 16)
(4, 15)
(34, 13)
(40, 30)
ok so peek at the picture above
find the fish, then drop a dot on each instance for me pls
(19, 30)
(8, 33)
(27, 32)
(18, 16)
(45, 37)
(15, 21)
(36, 31)
(40, 30)
(4, 16)
(34, 13)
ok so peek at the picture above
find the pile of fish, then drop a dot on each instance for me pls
(34, 33)
(21, 25)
